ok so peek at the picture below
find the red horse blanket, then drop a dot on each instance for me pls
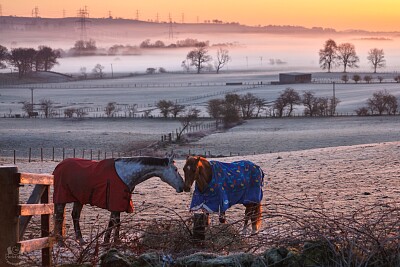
(91, 182)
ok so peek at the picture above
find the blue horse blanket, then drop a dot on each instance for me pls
(239, 182)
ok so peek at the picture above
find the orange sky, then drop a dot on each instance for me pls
(371, 15)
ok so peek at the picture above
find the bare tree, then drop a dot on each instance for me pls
(69, 112)
(231, 109)
(279, 107)
(22, 59)
(47, 106)
(377, 58)
(391, 104)
(261, 103)
(46, 58)
(98, 71)
(291, 98)
(328, 55)
(368, 78)
(188, 120)
(310, 102)
(215, 108)
(248, 104)
(27, 107)
(165, 107)
(84, 48)
(3, 56)
(151, 70)
(347, 56)
(199, 57)
(222, 58)
(186, 65)
(382, 101)
(176, 109)
(356, 78)
(288, 98)
(363, 111)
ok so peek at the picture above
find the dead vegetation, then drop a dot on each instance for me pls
(293, 234)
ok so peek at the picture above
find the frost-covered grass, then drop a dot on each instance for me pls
(187, 89)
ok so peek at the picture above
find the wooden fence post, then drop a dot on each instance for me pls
(9, 228)
(45, 221)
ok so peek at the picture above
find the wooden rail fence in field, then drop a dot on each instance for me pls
(14, 217)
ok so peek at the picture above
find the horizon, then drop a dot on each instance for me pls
(357, 14)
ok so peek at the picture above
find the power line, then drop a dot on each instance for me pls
(83, 16)
(137, 14)
(170, 28)
(35, 12)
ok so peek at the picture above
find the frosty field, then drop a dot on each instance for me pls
(263, 135)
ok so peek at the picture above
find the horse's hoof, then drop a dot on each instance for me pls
(253, 233)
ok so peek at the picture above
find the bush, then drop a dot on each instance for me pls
(150, 70)
(362, 111)
(69, 112)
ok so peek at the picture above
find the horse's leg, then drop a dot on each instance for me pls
(253, 212)
(246, 219)
(76, 215)
(117, 217)
(222, 217)
(111, 224)
(256, 218)
(59, 229)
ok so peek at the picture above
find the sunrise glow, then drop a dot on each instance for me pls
(340, 14)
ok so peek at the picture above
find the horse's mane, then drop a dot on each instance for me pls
(152, 161)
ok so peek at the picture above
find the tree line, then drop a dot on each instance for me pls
(334, 55)
(233, 107)
(381, 102)
(27, 60)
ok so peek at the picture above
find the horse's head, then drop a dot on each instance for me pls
(195, 170)
(171, 175)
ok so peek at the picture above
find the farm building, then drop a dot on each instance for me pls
(294, 77)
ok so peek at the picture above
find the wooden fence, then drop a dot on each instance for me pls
(14, 217)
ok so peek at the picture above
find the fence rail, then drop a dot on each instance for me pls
(15, 217)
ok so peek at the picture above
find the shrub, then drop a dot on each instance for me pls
(363, 111)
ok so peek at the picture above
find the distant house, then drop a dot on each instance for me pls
(294, 77)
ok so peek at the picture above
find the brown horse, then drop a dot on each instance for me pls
(220, 185)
